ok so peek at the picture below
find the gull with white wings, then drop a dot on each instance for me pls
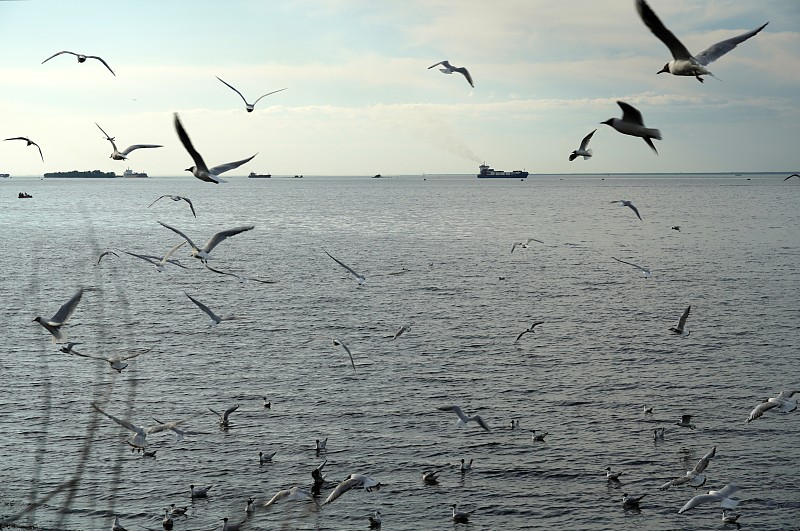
(291, 494)
(464, 419)
(223, 417)
(632, 124)
(783, 401)
(176, 198)
(138, 440)
(683, 63)
(81, 58)
(214, 319)
(351, 482)
(200, 170)
(681, 328)
(525, 244)
(248, 106)
(361, 278)
(159, 262)
(29, 143)
(695, 476)
(116, 362)
(583, 151)
(54, 324)
(180, 433)
(447, 68)
(204, 252)
(528, 330)
(123, 155)
(723, 496)
(629, 204)
(644, 270)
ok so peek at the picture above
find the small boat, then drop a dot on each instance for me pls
(4, 176)
(254, 175)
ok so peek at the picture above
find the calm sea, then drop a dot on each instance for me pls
(436, 254)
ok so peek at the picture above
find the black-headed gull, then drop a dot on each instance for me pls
(159, 262)
(176, 198)
(248, 106)
(291, 494)
(683, 63)
(223, 417)
(123, 155)
(167, 522)
(529, 330)
(632, 124)
(54, 324)
(265, 458)
(359, 277)
(583, 151)
(138, 440)
(525, 244)
(116, 362)
(461, 517)
(29, 143)
(538, 437)
(465, 466)
(375, 520)
(81, 58)
(204, 252)
(695, 476)
(449, 69)
(200, 170)
(631, 502)
(783, 401)
(214, 319)
(464, 419)
(629, 204)
(612, 476)
(685, 422)
(644, 270)
(199, 492)
(681, 328)
(723, 496)
(350, 482)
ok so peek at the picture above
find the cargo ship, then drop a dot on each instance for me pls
(490, 173)
(254, 175)
(135, 174)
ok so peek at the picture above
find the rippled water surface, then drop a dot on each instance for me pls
(436, 254)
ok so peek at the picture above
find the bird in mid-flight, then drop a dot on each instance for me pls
(632, 124)
(449, 69)
(200, 170)
(81, 58)
(249, 106)
(29, 143)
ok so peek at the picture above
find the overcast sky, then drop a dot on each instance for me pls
(361, 100)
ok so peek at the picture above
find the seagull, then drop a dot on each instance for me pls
(680, 329)
(116, 362)
(461, 517)
(514, 424)
(29, 143)
(123, 155)
(180, 434)
(177, 511)
(683, 63)
(431, 477)
(176, 198)
(223, 417)
(239, 277)
(199, 492)
(248, 106)
(782, 401)
(644, 270)
(337, 343)
(632, 124)
(230, 526)
(216, 239)
(400, 331)
(361, 278)
(250, 508)
(582, 151)
(466, 466)
(730, 518)
(685, 422)
(449, 69)
(647, 410)
(676, 227)
(612, 476)
(54, 324)
(68, 348)
(116, 526)
(167, 521)
(147, 453)
(463, 419)
(264, 458)
(159, 262)
(81, 58)
(626, 203)
(525, 244)
(200, 170)
(631, 503)
(540, 437)
(320, 446)
(528, 330)
(214, 318)
(267, 404)
(139, 438)
(695, 476)
(375, 520)
(292, 494)
(722, 496)
(792, 175)
(350, 482)
(106, 253)
(658, 433)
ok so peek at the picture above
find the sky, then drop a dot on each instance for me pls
(361, 100)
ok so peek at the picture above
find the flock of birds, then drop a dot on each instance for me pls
(631, 123)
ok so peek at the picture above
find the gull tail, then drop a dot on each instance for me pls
(590, 153)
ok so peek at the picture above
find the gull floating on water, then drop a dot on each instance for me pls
(199, 492)
(200, 170)
(658, 433)
(352, 481)
(81, 58)
(722, 496)
(525, 244)
(159, 262)
(647, 410)
(223, 417)
(54, 324)
(214, 318)
(538, 438)
(463, 419)
(265, 458)
(361, 278)
(139, 438)
(449, 69)
(321, 446)
(681, 328)
(612, 476)
(204, 253)
(177, 511)
(461, 517)
(683, 63)
(629, 204)
(644, 270)
(375, 520)
(431, 477)
(632, 124)
(29, 143)
(248, 106)
(466, 466)
(676, 227)
(227, 525)
(123, 155)
(167, 522)
(250, 508)
(630, 502)
(731, 519)
(695, 476)
(783, 401)
(528, 330)
(686, 422)
(116, 362)
(176, 198)
(582, 151)
(116, 526)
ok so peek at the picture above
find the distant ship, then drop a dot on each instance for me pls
(4, 176)
(254, 175)
(75, 174)
(489, 173)
(130, 173)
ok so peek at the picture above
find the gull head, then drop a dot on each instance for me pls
(608, 122)
(250, 108)
(192, 169)
(665, 69)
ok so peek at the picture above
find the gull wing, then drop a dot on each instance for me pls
(267, 94)
(40, 150)
(585, 141)
(457, 411)
(156, 201)
(698, 500)
(143, 257)
(343, 487)
(343, 265)
(187, 144)
(514, 246)
(630, 264)
(648, 16)
(102, 61)
(792, 175)
(66, 310)
(482, 423)
(630, 113)
(703, 463)
(787, 394)
(203, 307)
(190, 205)
(101, 358)
(682, 320)
(465, 73)
(234, 89)
(106, 134)
(229, 411)
(726, 491)
(715, 51)
(171, 252)
(59, 53)
(138, 146)
(121, 422)
(522, 334)
(760, 410)
(163, 427)
(179, 233)
(217, 238)
(339, 342)
(222, 168)
(134, 354)
(443, 63)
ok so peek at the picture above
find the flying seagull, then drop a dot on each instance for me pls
(214, 318)
(681, 328)
(248, 106)
(239, 277)
(644, 270)
(350, 482)
(176, 198)
(695, 476)
(463, 419)
(139, 438)
(200, 170)
(54, 324)
(632, 124)
(292, 494)
(81, 58)
(223, 417)
(683, 63)
(338, 342)
(525, 244)
(180, 434)
(722, 496)
(123, 155)
(528, 330)
(29, 143)
(582, 151)
(783, 401)
(204, 252)
(449, 69)
(106, 253)
(400, 331)
(160, 262)
(792, 175)
(361, 278)
(116, 362)
(676, 227)
(629, 204)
